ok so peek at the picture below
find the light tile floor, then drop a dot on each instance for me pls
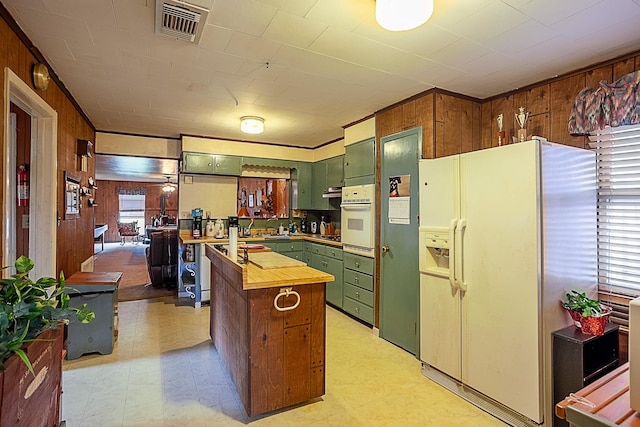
(164, 371)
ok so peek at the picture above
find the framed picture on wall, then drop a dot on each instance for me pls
(72, 196)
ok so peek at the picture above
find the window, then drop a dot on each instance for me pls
(618, 165)
(132, 209)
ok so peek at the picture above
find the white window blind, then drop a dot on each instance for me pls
(618, 165)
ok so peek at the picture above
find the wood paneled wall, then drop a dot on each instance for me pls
(74, 237)
(108, 205)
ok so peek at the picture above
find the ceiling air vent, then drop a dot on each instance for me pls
(180, 20)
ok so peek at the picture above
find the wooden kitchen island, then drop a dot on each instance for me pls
(271, 341)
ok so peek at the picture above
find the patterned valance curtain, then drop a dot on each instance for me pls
(608, 105)
(131, 191)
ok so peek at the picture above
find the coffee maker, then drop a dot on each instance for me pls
(196, 226)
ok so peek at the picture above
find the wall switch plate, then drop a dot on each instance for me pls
(25, 221)
(188, 180)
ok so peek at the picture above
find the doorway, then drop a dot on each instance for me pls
(399, 276)
(41, 218)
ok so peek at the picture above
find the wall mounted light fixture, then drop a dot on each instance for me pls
(252, 124)
(401, 15)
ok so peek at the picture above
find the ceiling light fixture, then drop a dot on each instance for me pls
(252, 124)
(401, 15)
(168, 187)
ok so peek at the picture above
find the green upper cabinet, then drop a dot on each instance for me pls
(326, 173)
(304, 185)
(197, 163)
(360, 159)
(228, 165)
(211, 164)
(335, 171)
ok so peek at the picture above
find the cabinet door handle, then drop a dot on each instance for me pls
(358, 310)
(357, 294)
(357, 264)
(356, 279)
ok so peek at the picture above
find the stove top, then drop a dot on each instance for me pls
(332, 238)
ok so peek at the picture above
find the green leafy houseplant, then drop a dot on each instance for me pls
(587, 307)
(28, 308)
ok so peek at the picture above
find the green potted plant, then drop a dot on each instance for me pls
(28, 308)
(588, 314)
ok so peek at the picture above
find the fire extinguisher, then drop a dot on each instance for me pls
(23, 185)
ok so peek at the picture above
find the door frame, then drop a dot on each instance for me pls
(43, 187)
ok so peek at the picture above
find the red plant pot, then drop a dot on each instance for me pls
(590, 325)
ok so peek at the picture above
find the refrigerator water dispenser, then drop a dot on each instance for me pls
(435, 259)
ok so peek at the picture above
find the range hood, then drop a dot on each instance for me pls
(332, 192)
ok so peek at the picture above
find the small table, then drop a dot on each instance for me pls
(610, 397)
(98, 233)
(100, 292)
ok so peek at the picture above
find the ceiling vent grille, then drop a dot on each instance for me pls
(180, 20)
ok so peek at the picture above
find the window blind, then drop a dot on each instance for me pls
(618, 212)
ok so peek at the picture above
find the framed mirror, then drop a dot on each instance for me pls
(71, 196)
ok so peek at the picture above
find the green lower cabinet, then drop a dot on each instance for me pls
(328, 259)
(292, 249)
(359, 297)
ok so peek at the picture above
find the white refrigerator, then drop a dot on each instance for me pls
(504, 233)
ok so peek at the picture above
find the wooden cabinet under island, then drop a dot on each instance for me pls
(271, 342)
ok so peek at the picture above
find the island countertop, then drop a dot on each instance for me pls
(258, 278)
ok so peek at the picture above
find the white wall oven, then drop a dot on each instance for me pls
(358, 219)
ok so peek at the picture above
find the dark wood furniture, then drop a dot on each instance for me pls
(100, 292)
(275, 358)
(580, 359)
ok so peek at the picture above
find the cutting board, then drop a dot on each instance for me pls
(270, 260)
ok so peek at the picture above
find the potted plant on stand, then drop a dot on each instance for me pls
(31, 314)
(589, 315)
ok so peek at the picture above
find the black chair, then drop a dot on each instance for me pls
(162, 258)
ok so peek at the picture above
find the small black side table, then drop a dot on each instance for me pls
(580, 359)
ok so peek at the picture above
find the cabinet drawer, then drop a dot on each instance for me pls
(333, 252)
(318, 249)
(358, 279)
(358, 294)
(359, 263)
(307, 246)
(358, 309)
(296, 246)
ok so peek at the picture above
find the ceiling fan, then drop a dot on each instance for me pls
(168, 186)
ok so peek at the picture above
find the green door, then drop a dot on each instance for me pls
(399, 276)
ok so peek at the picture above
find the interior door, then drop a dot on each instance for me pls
(399, 276)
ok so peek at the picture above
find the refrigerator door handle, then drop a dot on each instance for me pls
(452, 254)
(460, 227)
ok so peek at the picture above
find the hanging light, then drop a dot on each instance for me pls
(252, 124)
(401, 15)
(168, 187)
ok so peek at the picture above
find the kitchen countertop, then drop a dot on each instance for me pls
(258, 278)
(185, 237)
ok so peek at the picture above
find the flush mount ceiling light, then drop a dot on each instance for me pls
(252, 124)
(401, 15)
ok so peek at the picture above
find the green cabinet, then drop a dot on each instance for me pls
(360, 162)
(328, 259)
(211, 164)
(326, 173)
(293, 248)
(358, 290)
(303, 185)
(335, 171)
(197, 163)
(227, 165)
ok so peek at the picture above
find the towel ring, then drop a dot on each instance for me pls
(285, 292)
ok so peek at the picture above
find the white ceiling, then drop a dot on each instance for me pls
(329, 63)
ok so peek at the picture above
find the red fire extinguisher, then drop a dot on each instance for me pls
(23, 185)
